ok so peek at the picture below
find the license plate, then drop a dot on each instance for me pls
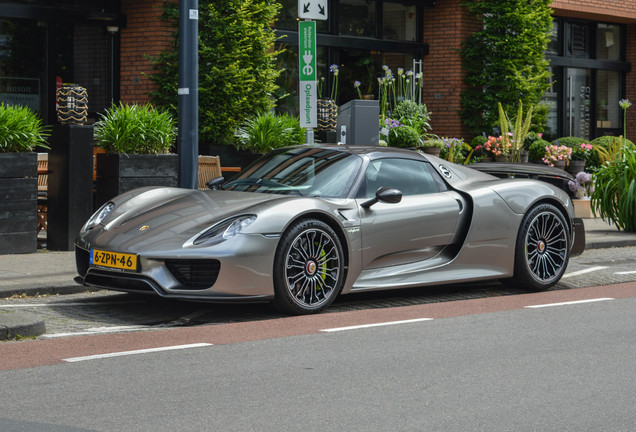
(117, 260)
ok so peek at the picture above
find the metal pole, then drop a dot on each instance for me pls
(188, 93)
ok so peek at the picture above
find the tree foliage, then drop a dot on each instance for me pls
(505, 61)
(237, 69)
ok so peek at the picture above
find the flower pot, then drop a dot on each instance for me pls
(559, 164)
(327, 115)
(18, 202)
(435, 151)
(583, 208)
(487, 159)
(524, 156)
(576, 166)
(501, 158)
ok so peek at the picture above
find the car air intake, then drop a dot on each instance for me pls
(194, 274)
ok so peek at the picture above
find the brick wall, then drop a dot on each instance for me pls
(445, 26)
(616, 11)
(144, 35)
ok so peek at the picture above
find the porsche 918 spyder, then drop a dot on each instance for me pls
(303, 224)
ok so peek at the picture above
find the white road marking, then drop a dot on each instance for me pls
(337, 329)
(625, 272)
(37, 305)
(135, 352)
(568, 303)
(580, 272)
(100, 330)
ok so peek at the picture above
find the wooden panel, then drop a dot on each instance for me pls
(18, 165)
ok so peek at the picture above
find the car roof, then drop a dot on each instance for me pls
(371, 151)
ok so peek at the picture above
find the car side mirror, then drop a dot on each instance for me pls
(215, 183)
(385, 195)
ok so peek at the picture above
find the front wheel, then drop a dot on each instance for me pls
(542, 250)
(308, 268)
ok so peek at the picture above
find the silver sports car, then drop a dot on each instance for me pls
(303, 224)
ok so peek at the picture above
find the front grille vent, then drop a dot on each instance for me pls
(194, 274)
(82, 257)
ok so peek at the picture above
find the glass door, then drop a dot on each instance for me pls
(578, 103)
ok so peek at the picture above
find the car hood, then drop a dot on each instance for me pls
(164, 218)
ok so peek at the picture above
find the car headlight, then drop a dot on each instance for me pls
(224, 230)
(97, 217)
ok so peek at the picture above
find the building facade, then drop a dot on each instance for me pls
(106, 45)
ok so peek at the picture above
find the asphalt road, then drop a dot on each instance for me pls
(108, 311)
(491, 364)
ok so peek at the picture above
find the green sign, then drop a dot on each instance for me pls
(307, 73)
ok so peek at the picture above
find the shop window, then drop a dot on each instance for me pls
(608, 42)
(608, 112)
(357, 18)
(578, 41)
(399, 21)
(22, 56)
(554, 46)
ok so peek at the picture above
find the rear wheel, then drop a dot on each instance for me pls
(542, 250)
(308, 268)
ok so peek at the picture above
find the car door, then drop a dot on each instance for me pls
(415, 229)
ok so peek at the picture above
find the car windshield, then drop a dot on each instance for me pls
(306, 171)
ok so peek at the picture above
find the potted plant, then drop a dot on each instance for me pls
(326, 106)
(557, 155)
(497, 147)
(21, 131)
(136, 140)
(432, 146)
(270, 131)
(582, 187)
(614, 195)
(580, 153)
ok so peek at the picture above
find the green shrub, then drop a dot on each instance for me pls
(530, 138)
(569, 141)
(479, 140)
(605, 148)
(615, 189)
(537, 150)
(135, 129)
(412, 114)
(21, 130)
(404, 136)
(237, 65)
(270, 131)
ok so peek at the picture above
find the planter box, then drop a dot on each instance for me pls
(119, 173)
(18, 202)
(583, 208)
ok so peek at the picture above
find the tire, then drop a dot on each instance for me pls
(542, 250)
(308, 268)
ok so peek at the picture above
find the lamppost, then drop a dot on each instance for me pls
(188, 93)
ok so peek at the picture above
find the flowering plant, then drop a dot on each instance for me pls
(356, 85)
(555, 153)
(582, 185)
(581, 152)
(497, 146)
(334, 83)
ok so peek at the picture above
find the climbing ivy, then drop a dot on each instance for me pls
(505, 61)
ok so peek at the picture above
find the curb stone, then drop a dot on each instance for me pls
(23, 324)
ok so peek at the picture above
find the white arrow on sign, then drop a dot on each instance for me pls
(312, 9)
